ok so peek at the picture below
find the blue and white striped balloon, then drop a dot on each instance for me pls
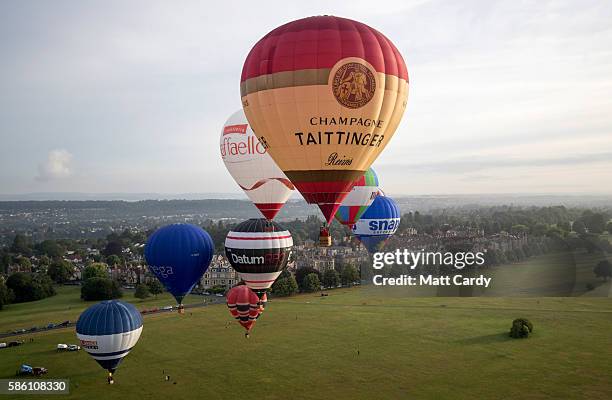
(108, 331)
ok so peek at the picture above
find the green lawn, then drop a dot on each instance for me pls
(67, 305)
(305, 347)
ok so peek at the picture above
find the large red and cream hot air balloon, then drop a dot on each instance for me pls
(252, 168)
(325, 95)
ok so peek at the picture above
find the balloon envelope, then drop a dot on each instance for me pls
(108, 331)
(178, 255)
(325, 95)
(258, 250)
(378, 223)
(244, 305)
(252, 167)
(359, 198)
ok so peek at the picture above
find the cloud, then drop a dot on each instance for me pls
(476, 163)
(57, 166)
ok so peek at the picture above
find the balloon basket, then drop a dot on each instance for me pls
(325, 239)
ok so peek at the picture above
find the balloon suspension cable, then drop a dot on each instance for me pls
(260, 293)
(110, 378)
(181, 308)
(247, 335)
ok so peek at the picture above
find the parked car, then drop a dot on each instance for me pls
(26, 369)
(65, 323)
(15, 343)
(219, 294)
(33, 329)
(167, 308)
(73, 347)
(62, 347)
(50, 325)
(17, 331)
(2, 345)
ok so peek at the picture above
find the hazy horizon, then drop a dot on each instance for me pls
(116, 97)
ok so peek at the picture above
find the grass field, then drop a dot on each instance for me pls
(306, 347)
(67, 305)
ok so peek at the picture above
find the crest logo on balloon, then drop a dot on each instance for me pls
(353, 85)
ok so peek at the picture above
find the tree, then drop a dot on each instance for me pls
(539, 229)
(564, 226)
(579, 227)
(595, 222)
(113, 248)
(29, 287)
(50, 248)
(609, 227)
(155, 287)
(311, 283)
(603, 269)
(285, 286)
(521, 328)
(349, 275)
(142, 291)
(519, 229)
(113, 259)
(44, 260)
(331, 278)
(6, 295)
(96, 289)
(95, 270)
(21, 245)
(301, 273)
(60, 271)
(25, 264)
(5, 261)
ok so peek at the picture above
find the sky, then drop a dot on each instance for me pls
(130, 97)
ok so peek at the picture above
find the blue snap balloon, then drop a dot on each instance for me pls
(108, 331)
(378, 223)
(178, 255)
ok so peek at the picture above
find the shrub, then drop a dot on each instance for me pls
(142, 291)
(521, 328)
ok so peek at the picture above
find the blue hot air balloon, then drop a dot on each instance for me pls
(178, 255)
(378, 223)
(108, 331)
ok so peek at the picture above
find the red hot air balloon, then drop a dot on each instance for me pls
(324, 95)
(244, 306)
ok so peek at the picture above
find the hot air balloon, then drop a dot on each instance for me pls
(108, 331)
(359, 199)
(324, 95)
(258, 250)
(178, 255)
(378, 223)
(252, 167)
(244, 305)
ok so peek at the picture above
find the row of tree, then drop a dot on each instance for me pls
(308, 280)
